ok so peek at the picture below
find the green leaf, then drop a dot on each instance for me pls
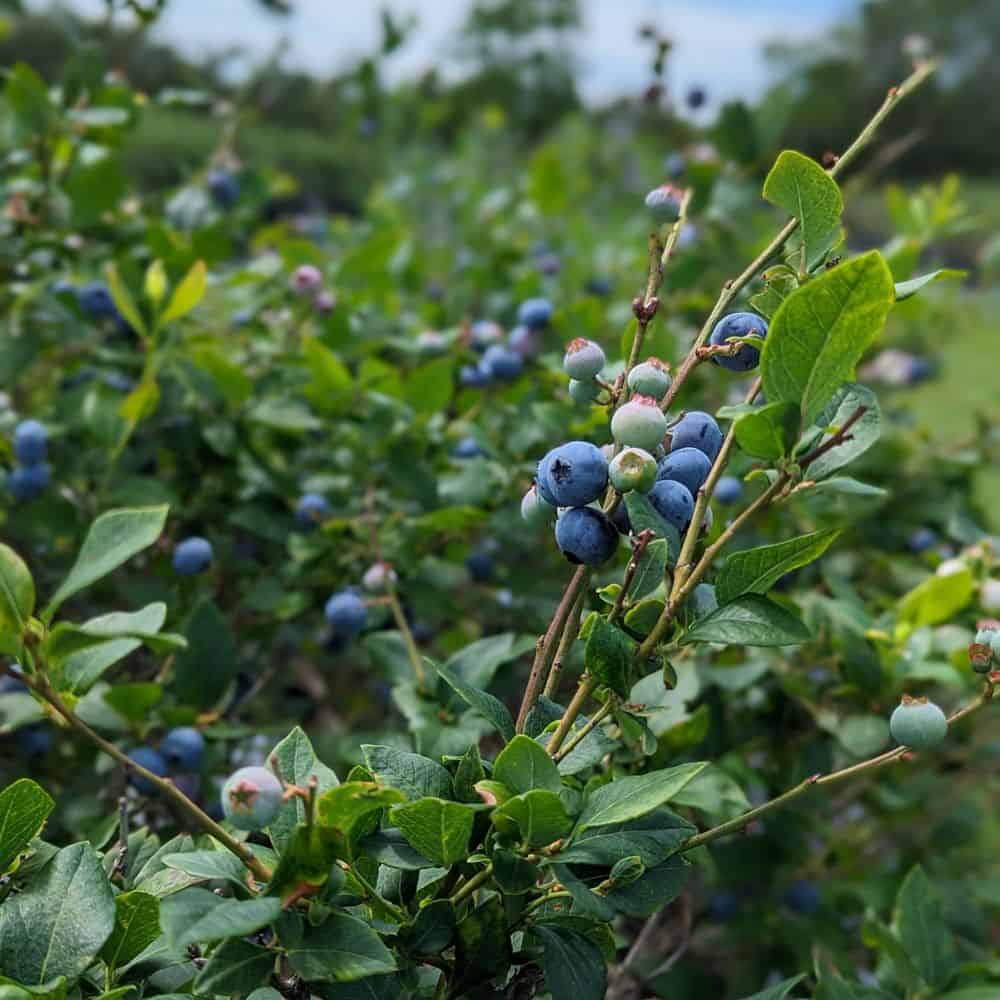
(24, 807)
(657, 887)
(523, 765)
(297, 762)
(199, 916)
(437, 828)
(921, 929)
(236, 967)
(141, 402)
(750, 620)
(715, 794)
(390, 848)
(17, 599)
(331, 386)
(134, 701)
(112, 539)
(822, 329)
(642, 517)
(628, 798)
(344, 807)
(478, 662)
(574, 966)
(768, 431)
(492, 709)
(137, 926)
(538, 816)
(808, 193)
(204, 670)
(79, 672)
(28, 97)
(415, 776)
(124, 301)
(342, 949)
(756, 571)
(608, 654)
(779, 991)
(284, 414)
(483, 946)
(938, 598)
(862, 435)
(652, 838)
(649, 573)
(209, 865)
(429, 387)
(186, 295)
(233, 383)
(906, 289)
(59, 923)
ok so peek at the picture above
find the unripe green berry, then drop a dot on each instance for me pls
(632, 469)
(584, 359)
(918, 723)
(651, 378)
(664, 203)
(251, 798)
(640, 423)
(535, 509)
(583, 392)
(982, 650)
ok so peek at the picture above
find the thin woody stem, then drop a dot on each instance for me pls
(598, 717)
(585, 689)
(416, 660)
(569, 635)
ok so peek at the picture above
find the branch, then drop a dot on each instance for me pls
(835, 439)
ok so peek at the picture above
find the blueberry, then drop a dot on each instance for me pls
(583, 360)
(686, 465)
(697, 430)
(650, 378)
(30, 442)
(524, 340)
(673, 502)
(664, 203)
(586, 536)
(241, 317)
(921, 540)
(61, 287)
(502, 363)
(619, 518)
(583, 393)
(223, 187)
(192, 556)
(802, 896)
(378, 577)
(480, 566)
(311, 509)
(151, 760)
(696, 97)
(535, 313)
(325, 301)
(640, 423)
(572, 475)
(485, 333)
(728, 489)
(9, 684)
(474, 377)
(724, 905)
(918, 723)
(535, 509)
(675, 165)
(28, 482)
(920, 369)
(632, 469)
(34, 741)
(468, 447)
(549, 263)
(183, 749)
(251, 798)
(306, 278)
(95, 300)
(346, 612)
(599, 286)
(118, 381)
(738, 324)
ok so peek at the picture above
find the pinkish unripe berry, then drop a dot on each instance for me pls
(306, 278)
(640, 423)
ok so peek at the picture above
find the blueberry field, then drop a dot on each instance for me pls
(462, 540)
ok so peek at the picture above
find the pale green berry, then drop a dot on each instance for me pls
(583, 393)
(918, 723)
(535, 509)
(632, 469)
(651, 378)
(584, 359)
(251, 798)
(640, 423)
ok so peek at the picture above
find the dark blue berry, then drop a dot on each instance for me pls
(468, 447)
(346, 612)
(921, 540)
(502, 363)
(27, 482)
(311, 509)
(183, 749)
(685, 465)
(224, 188)
(572, 475)
(30, 442)
(192, 556)
(802, 896)
(697, 429)
(673, 502)
(585, 535)
(151, 760)
(95, 300)
(480, 566)
(728, 489)
(535, 313)
(738, 324)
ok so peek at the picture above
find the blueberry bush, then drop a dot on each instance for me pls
(467, 600)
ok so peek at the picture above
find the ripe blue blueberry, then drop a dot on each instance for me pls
(502, 363)
(535, 509)
(346, 612)
(485, 333)
(619, 518)
(738, 324)
(95, 300)
(524, 340)
(921, 539)
(27, 482)
(802, 896)
(241, 317)
(535, 313)
(9, 684)
(640, 423)
(572, 475)
(583, 393)
(586, 536)
(686, 465)
(34, 741)
(918, 723)
(675, 165)
(696, 97)
(673, 502)
(151, 760)
(223, 187)
(480, 566)
(724, 905)
(632, 469)
(251, 798)
(650, 378)
(311, 509)
(549, 263)
(468, 447)
(728, 489)
(118, 381)
(599, 286)
(192, 556)
(183, 748)
(306, 278)
(62, 287)
(697, 430)
(30, 442)
(583, 360)
(474, 377)
(664, 203)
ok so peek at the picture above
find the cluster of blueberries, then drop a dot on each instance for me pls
(503, 356)
(224, 188)
(31, 476)
(572, 478)
(179, 755)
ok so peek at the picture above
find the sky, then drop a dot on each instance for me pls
(718, 43)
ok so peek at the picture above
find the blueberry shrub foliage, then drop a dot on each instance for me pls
(260, 474)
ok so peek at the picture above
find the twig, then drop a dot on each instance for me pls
(639, 543)
(121, 860)
(585, 689)
(838, 438)
(570, 632)
(416, 660)
(599, 716)
(480, 878)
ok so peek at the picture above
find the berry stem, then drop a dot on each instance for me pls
(569, 636)
(480, 878)
(599, 716)
(416, 661)
(584, 690)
